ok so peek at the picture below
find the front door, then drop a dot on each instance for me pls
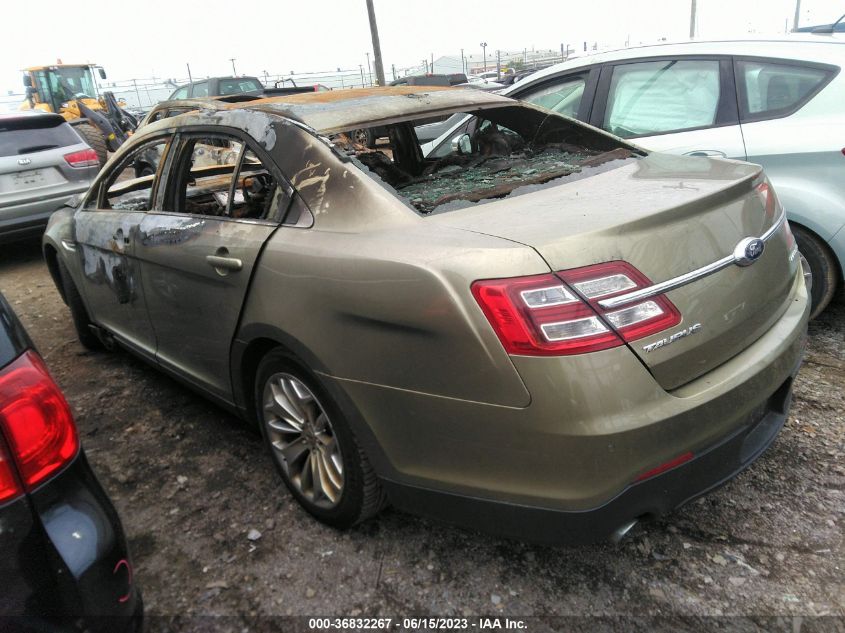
(106, 232)
(223, 201)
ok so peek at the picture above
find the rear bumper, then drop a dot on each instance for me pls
(74, 568)
(648, 499)
(28, 219)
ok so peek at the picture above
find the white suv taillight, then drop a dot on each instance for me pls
(559, 314)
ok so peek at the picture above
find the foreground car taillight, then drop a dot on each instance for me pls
(35, 420)
(9, 485)
(82, 158)
(559, 314)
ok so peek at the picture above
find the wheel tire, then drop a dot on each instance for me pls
(364, 136)
(823, 267)
(81, 320)
(95, 140)
(361, 495)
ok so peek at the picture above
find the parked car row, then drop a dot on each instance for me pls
(410, 324)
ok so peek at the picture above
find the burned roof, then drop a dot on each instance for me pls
(342, 110)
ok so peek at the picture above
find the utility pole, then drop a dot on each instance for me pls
(797, 14)
(393, 68)
(483, 46)
(371, 12)
(498, 65)
(234, 72)
(369, 70)
(463, 63)
(190, 79)
(692, 19)
(432, 63)
(361, 68)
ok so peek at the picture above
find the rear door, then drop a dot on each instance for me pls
(223, 200)
(107, 229)
(570, 94)
(684, 105)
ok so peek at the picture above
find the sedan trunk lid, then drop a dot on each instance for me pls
(668, 216)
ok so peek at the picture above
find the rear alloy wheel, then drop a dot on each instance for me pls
(823, 267)
(312, 446)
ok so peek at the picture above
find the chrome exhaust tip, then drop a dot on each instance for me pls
(620, 532)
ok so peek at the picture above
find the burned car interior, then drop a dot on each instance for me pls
(214, 176)
(495, 152)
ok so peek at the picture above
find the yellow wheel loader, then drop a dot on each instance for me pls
(70, 90)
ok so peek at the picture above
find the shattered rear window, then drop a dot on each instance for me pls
(494, 153)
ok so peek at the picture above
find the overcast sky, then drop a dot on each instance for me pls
(157, 37)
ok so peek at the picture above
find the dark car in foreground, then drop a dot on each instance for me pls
(64, 564)
(43, 163)
(539, 329)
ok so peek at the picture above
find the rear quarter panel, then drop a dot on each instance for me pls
(392, 307)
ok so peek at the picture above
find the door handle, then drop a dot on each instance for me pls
(712, 153)
(220, 263)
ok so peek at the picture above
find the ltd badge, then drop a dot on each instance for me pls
(24, 161)
(692, 329)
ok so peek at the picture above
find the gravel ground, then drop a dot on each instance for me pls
(191, 482)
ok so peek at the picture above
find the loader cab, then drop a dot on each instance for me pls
(61, 84)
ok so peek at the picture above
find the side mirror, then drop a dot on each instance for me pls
(73, 201)
(102, 72)
(462, 144)
(27, 81)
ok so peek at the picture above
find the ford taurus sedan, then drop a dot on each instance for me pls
(538, 329)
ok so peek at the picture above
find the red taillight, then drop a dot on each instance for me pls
(540, 316)
(632, 321)
(543, 316)
(83, 158)
(36, 420)
(9, 485)
(767, 197)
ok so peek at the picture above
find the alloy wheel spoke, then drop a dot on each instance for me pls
(330, 470)
(293, 452)
(284, 406)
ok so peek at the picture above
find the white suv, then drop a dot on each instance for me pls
(779, 103)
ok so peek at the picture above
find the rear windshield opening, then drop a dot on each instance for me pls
(493, 153)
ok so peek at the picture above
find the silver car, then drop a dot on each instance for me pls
(779, 103)
(43, 163)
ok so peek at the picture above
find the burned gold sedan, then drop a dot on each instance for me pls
(537, 329)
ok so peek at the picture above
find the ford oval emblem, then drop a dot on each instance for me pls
(748, 251)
